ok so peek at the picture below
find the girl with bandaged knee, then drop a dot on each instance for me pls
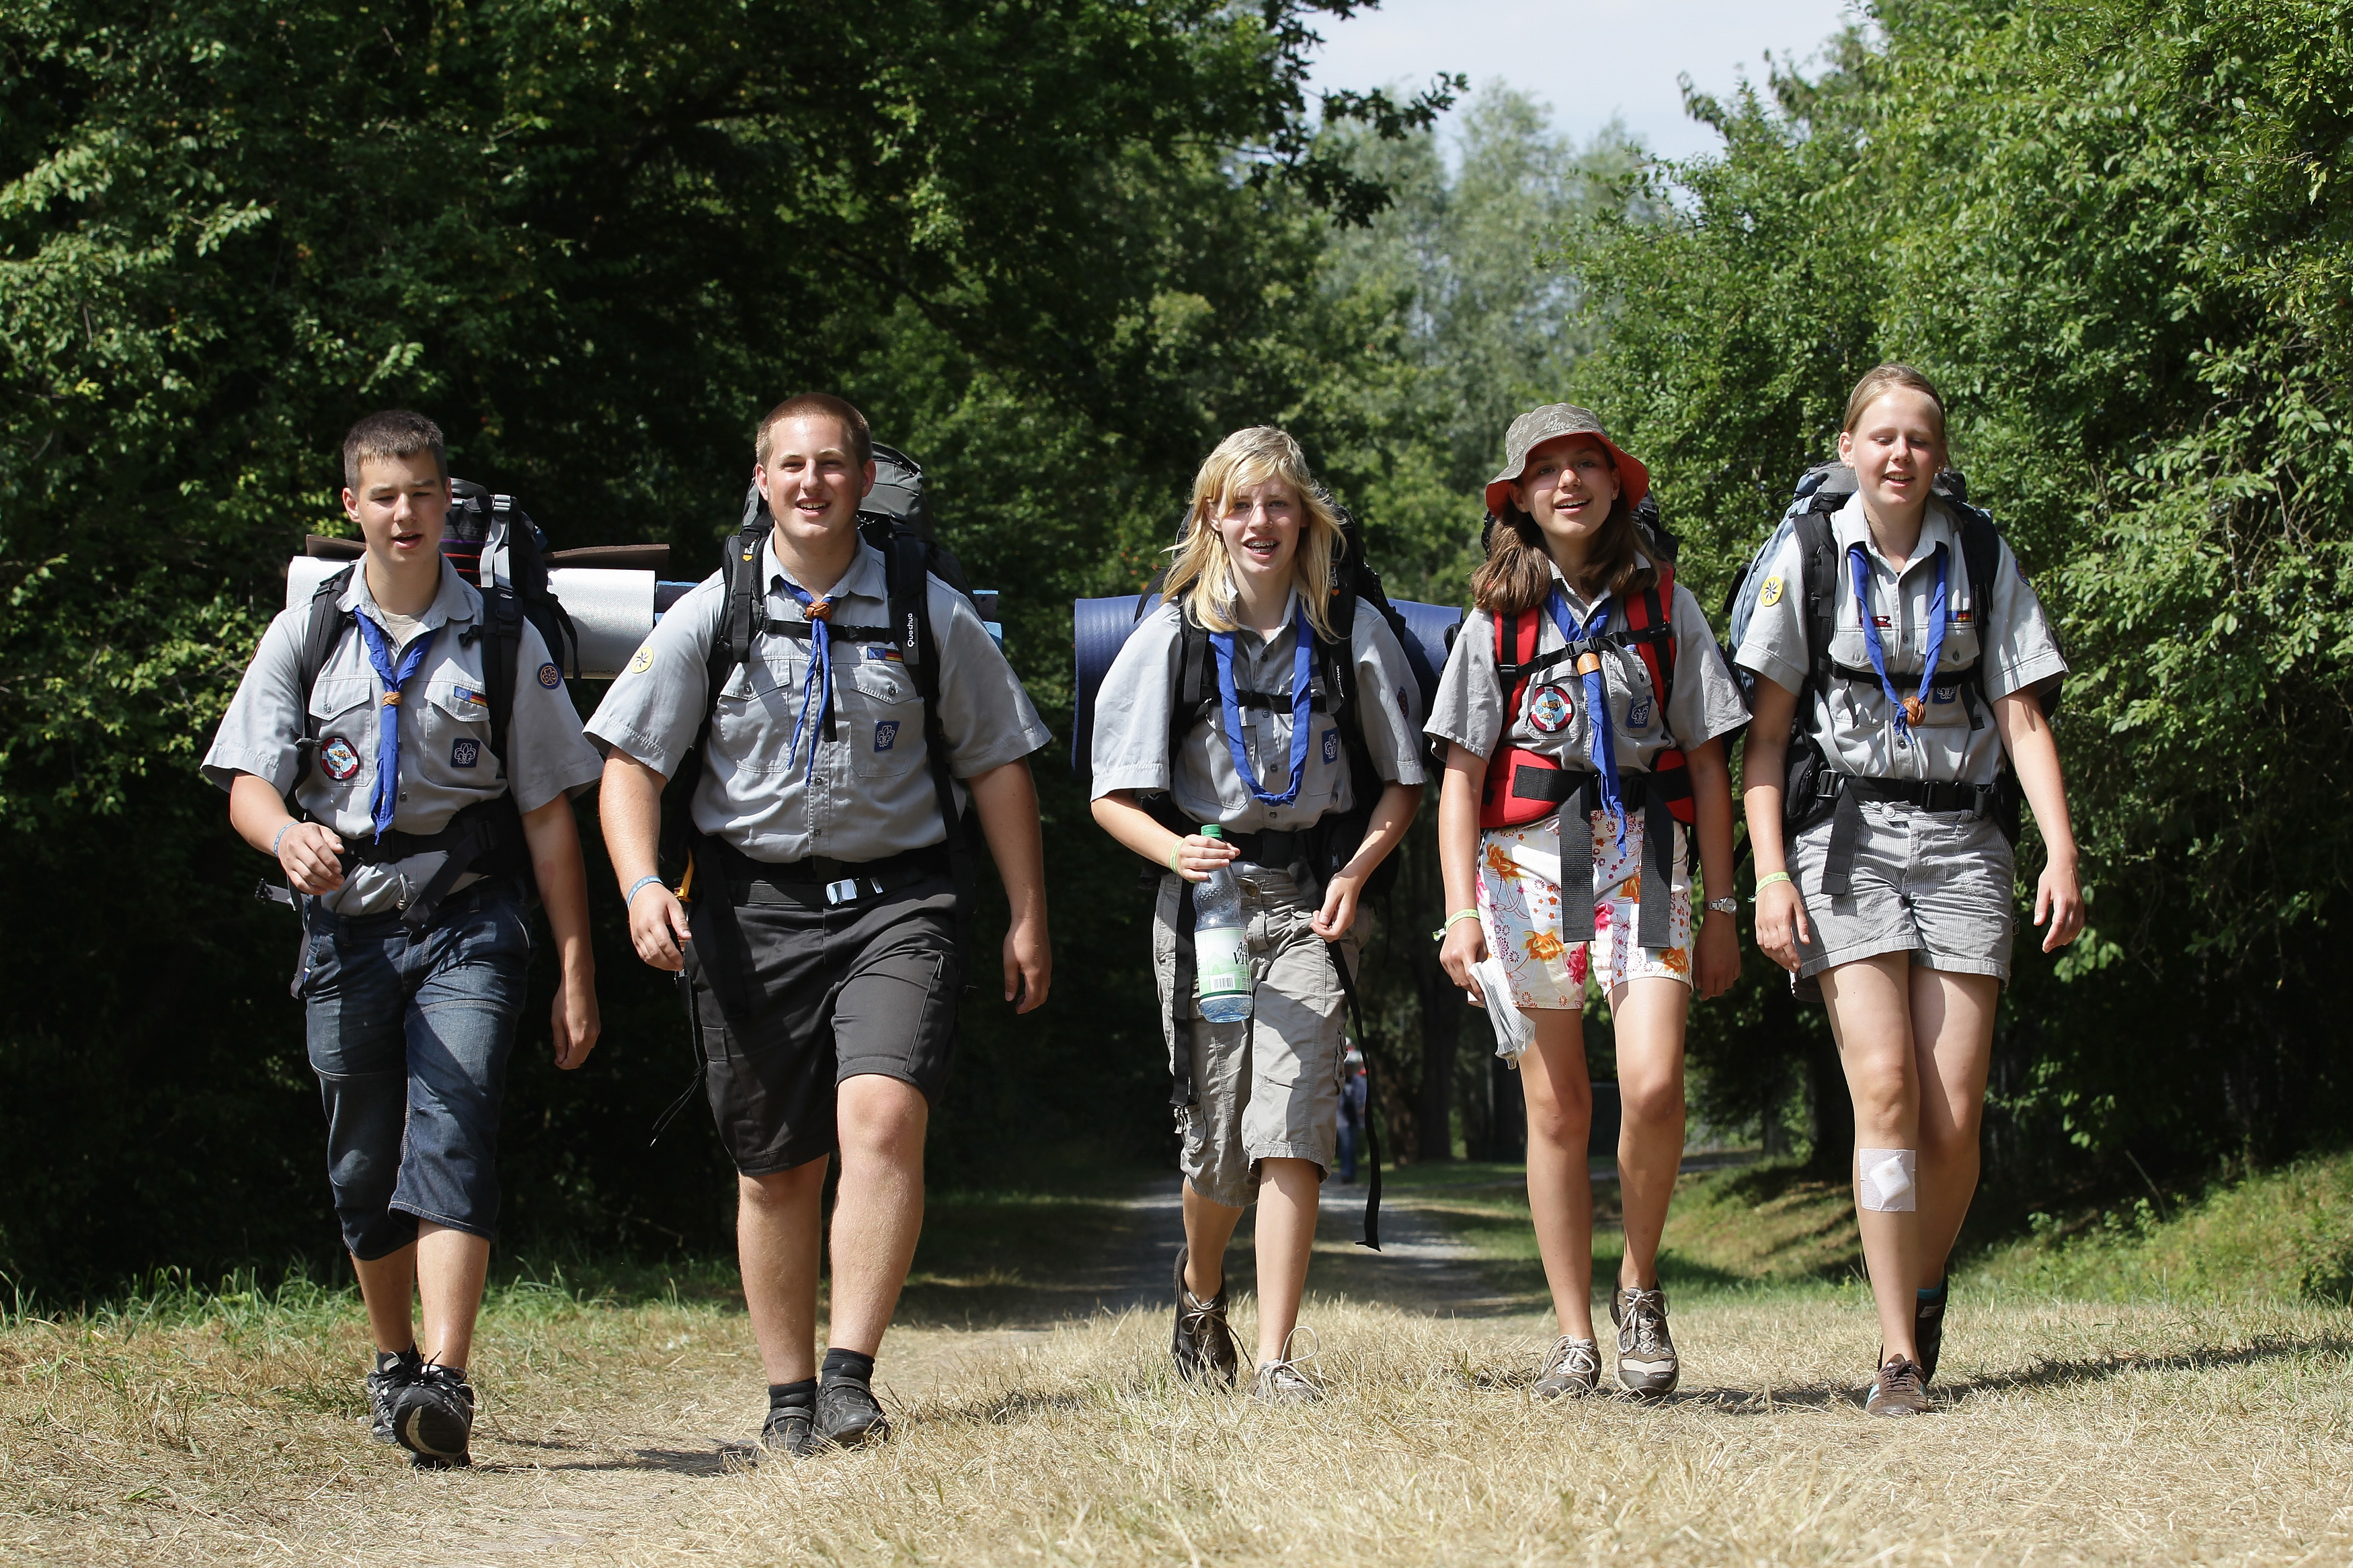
(1899, 702)
(1582, 710)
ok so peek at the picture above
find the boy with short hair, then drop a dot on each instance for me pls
(823, 927)
(406, 852)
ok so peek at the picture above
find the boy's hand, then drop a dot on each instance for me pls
(308, 852)
(575, 1018)
(658, 928)
(1029, 964)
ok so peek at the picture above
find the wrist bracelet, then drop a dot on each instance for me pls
(639, 886)
(1176, 857)
(1452, 920)
(284, 828)
(1768, 880)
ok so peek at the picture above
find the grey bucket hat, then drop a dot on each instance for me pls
(1536, 427)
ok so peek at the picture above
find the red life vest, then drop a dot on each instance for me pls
(1524, 786)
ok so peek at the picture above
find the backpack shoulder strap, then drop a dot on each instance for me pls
(501, 658)
(907, 576)
(1818, 569)
(1193, 683)
(319, 634)
(1654, 609)
(1516, 635)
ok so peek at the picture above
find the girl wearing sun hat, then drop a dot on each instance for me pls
(1582, 711)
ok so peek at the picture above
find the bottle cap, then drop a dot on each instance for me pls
(1211, 830)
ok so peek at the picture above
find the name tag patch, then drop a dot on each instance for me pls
(886, 734)
(465, 751)
(338, 758)
(1551, 711)
(550, 677)
(1639, 714)
(1331, 745)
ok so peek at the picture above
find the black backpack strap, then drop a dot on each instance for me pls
(319, 634)
(907, 574)
(1372, 1139)
(1818, 574)
(1194, 688)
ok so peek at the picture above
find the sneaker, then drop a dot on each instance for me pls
(1203, 1346)
(1283, 1383)
(1574, 1367)
(1897, 1390)
(1646, 1352)
(1928, 1333)
(791, 1431)
(433, 1417)
(392, 1374)
(848, 1417)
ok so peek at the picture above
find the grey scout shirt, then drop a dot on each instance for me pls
(871, 794)
(1132, 719)
(1552, 720)
(446, 760)
(1999, 623)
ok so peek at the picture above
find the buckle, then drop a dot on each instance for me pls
(842, 892)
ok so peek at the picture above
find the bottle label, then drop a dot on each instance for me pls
(1221, 960)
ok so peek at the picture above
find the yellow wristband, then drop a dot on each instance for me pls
(1459, 915)
(1768, 880)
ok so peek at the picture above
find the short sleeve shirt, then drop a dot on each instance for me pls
(1999, 625)
(1131, 725)
(1552, 719)
(870, 792)
(446, 760)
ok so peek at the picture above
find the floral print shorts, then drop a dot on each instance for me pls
(1519, 908)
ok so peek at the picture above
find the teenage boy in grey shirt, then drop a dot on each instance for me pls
(413, 978)
(822, 916)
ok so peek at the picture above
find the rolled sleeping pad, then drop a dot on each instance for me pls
(1098, 628)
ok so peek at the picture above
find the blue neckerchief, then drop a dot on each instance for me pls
(387, 719)
(1597, 707)
(1859, 566)
(819, 687)
(1302, 702)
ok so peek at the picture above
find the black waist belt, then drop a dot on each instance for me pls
(1846, 816)
(1580, 798)
(485, 838)
(818, 881)
(1276, 848)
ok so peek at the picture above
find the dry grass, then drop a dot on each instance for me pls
(2071, 1433)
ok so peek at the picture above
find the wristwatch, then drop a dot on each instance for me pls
(1727, 905)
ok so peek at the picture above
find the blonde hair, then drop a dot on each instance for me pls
(1201, 576)
(1881, 379)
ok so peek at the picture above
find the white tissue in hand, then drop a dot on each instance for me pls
(1514, 1030)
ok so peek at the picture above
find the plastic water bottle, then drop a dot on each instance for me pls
(1220, 944)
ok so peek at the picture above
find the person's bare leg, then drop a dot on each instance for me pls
(776, 1231)
(387, 1285)
(1869, 1003)
(1287, 1194)
(451, 1267)
(1952, 1034)
(1208, 1227)
(1649, 1014)
(1560, 1184)
(878, 1211)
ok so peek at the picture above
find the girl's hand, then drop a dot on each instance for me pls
(1196, 857)
(1465, 945)
(1339, 911)
(1781, 924)
(1716, 965)
(2059, 898)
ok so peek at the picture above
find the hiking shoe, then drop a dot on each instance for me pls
(433, 1417)
(1202, 1346)
(790, 1431)
(1283, 1383)
(1646, 1352)
(392, 1374)
(1573, 1368)
(848, 1417)
(1897, 1390)
(1928, 1333)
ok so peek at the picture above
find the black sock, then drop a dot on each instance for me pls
(386, 1360)
(801, 1395)
(847, 1366)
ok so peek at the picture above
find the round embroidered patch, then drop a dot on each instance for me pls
(1770, 595)
(1550, 711)
(643, 662)
(550, 677)
(338, 758)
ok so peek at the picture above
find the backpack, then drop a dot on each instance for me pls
(1821, 491)
(1425, 632)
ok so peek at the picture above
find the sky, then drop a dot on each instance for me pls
(1551, 48)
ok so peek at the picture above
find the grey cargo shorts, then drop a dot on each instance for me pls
(1939, 885)
(1269, 1087)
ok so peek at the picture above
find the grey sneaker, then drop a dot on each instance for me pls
(1283, 1383)
(392, 1374)
(1572, 1368)
(847, 1415)
(791, 1431)
(1203, 1345)
(433, 1417)
(1897, 1390)
(1646, 1351)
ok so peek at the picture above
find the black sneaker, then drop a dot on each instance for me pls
(1202, 1346)
(791, 1431)
(1646, 1351)
(1897, 1390)
(433, 1417)
(392, 1374)
(1928, 1332)
(846, 1416)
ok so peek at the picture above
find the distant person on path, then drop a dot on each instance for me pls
(1583, 708)
(822, 918)
(1355, 1098)
(412, 979)
(1896, 890)
(1257, 1100)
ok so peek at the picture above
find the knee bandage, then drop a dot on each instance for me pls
(1883, 1180)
